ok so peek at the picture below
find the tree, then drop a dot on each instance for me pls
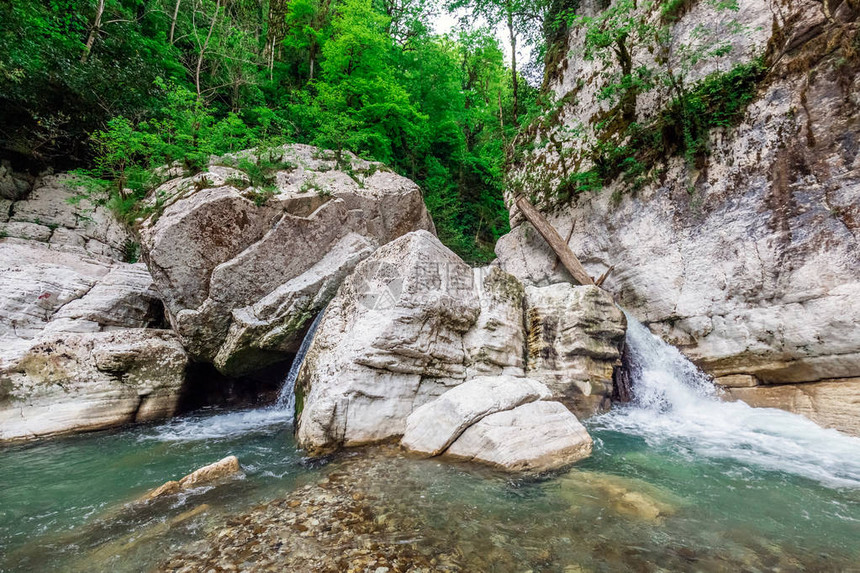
(523, 19)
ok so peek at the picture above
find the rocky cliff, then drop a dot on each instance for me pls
(743, 250)
(83, 340)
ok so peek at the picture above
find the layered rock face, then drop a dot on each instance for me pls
(243, 269)
(749, 261)
(414, 321)
(574, 337)
(80, 331)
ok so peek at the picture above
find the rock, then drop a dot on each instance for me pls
(390, 341)
(13, 186)
(433, 427)
(226, 468)
(242, 274)
(537, 436)
(80, 341)
(830, 403)
(270, 325)
(736, 381)
(494, 345)
(74, 382)
(575, 334)
(627, 496)
(749, 260)
(428, 323)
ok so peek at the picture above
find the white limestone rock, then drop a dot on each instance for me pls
(535, 437)
(80, 341)
(74, 382)
(749, 261)
(433, 427)
(220, 256)
(390, 341)
(575, 334)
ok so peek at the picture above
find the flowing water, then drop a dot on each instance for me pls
(678, 481)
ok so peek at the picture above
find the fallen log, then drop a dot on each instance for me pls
(566, 242)
(604, 276)
(554, 240)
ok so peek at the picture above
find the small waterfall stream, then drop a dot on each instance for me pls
(676, 403)
(287, 397)
(234, 424)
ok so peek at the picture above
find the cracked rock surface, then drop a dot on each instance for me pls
(243, 267)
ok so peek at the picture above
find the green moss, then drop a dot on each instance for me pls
(632, 151)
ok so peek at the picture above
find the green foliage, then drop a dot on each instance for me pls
(682, 128)
(124, 91)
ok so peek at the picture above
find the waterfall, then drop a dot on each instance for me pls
(287, 397)
(676, 405)
(231, 425)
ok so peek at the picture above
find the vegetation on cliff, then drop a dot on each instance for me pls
(122, 86)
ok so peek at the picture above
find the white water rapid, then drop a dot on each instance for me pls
(675, 405)
(231, 425)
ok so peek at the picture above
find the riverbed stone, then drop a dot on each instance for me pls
(217, 471)
(534, 437)
(433, 427)
(236, 265)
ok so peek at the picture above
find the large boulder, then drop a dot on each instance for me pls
(535, 437)
(433, 427)
(390, 341)
(243, 268)
(574, 338)
(89, 381)
(503, 421)
(82, 344)
(414, 321)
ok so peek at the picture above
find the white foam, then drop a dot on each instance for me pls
(676, 405)
(235, 424)
(221, 426)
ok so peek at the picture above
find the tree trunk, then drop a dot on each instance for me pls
(277, 29)
(513, 36)
(173, 21)
(94, 31)
(204, 46)
(556, 243)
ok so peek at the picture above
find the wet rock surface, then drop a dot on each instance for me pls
(574, 340)
(377, 510)
(335, 525)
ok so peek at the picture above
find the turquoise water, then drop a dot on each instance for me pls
(632, 505)
(678, 481)
(64, 497)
